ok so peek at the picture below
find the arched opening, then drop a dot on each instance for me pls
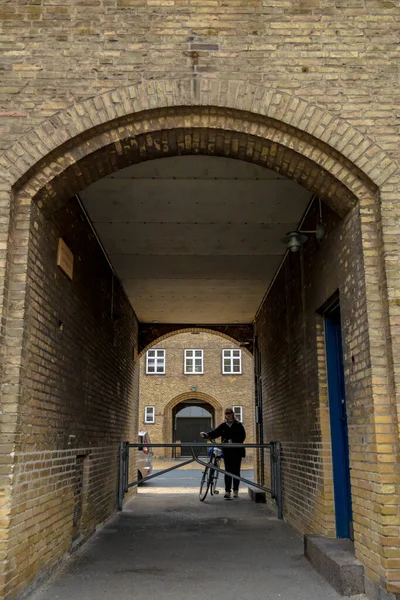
(190, 417)
(96, 403)
(199, 410)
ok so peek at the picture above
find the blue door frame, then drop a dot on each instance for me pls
(338, 420)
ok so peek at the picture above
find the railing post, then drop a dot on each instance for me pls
(126, 482)
(272, 461)
(123, 475)
(278, 480)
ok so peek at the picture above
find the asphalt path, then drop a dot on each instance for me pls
(171, 546)
(187, 479)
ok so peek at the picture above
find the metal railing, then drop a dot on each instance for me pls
(274, 448)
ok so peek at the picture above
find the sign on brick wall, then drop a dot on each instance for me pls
(65, 258)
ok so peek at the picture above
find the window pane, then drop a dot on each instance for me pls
(198, 353)
(149, 414)
(189, 367)
(150, 369)
(160, 353)
(189, 353)
(151, 353)
(238, 412)
(160, 369)
(236, 352)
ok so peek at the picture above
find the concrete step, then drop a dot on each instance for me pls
(334, 559)
(257, 495)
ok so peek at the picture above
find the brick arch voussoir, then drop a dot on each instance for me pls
(124, 102)
(54, 184)
(187, 396)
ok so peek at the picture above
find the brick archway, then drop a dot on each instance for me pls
(150, 120)
(78, 147)
(168, 412)
(198, 130)
(289, 110)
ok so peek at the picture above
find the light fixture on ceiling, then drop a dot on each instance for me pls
(294, 240)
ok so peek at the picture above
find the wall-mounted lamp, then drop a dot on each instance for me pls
(193, 388)
(294, 240)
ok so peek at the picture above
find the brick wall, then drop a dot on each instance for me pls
(78, 385)
(165, 392)
(340, 55)
(295, 401)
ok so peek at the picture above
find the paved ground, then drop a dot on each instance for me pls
(165, 463)
(166, 545)
(187, 480)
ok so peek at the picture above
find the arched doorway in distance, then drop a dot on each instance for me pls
(189, 418)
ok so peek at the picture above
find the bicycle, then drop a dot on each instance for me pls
(209, 478)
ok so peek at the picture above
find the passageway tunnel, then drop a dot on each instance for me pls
(137, 230)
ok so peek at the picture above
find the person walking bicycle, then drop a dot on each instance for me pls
(231, 431)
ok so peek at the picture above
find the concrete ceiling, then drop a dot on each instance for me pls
(195, 239)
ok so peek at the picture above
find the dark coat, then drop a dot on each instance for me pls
(236, 432)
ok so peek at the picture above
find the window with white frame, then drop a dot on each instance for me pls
(194, 362)
(232, 362)
(238, 412)
(149, 414)
(155, 362)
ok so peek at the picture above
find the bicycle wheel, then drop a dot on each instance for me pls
(213, 486)
(204, 484)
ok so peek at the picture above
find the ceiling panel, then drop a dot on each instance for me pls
(194, 201)
(196, 301)
(200, 239)
(142, 266)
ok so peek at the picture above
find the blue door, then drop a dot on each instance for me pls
(338, 420)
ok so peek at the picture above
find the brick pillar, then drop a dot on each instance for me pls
(7, 421)
(14, 236)
(386, 385)
(376, 449)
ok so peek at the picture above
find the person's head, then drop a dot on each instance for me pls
(229, 414)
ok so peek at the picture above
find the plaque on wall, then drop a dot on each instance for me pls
(65, 258)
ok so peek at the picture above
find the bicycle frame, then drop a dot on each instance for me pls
(212, 466)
